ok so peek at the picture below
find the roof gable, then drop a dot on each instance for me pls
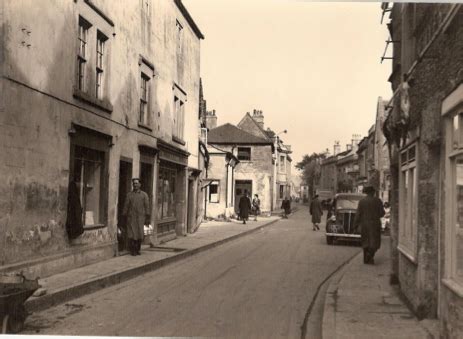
(249, 125)
(230, 134)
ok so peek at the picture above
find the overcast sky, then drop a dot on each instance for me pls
(312, 68)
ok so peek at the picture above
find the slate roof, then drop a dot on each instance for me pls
(230, 134)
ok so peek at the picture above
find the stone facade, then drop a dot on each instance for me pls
(420, 131)
(73, 104)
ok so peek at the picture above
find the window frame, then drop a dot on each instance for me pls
(144, 109)
(454, 152)
(99, 64)
(240, 157)
(83, 29)
(408, 201)
(217, 184)
(97, 143)
(282, 165)
(179, 118)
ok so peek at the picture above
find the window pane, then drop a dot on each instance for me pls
(455, 131)
(404, 202)
(214, 192)
(459, 219)
(88, 170)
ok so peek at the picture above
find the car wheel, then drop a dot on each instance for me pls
(329, 240)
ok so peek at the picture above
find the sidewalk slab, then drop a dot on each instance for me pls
(88, 279)
(360, 303)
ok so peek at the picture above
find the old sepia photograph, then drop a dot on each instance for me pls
(231, 169)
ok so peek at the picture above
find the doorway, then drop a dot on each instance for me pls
(240, 187)
(191, 210)
(125, 185)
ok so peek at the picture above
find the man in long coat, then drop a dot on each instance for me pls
(316, 212)
(137, 213)
(369, 213)
(244, 206)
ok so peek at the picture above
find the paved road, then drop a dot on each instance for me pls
(260, 285)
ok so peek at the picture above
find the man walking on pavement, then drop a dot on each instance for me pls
(137, 213)
(244, 206)
(369, 213)
(316, 212)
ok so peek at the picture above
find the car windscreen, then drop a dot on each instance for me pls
(348, 203)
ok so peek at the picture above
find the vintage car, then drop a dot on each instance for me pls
(340, 219)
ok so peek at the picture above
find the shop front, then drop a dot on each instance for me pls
(171, 192)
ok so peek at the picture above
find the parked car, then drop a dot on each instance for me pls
(340, 220)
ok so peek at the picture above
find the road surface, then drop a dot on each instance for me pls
(260, 285)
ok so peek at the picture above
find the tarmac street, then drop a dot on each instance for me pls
(260, 285)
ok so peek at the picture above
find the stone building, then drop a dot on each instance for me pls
(423, 130)
(219, 188)
(328, 174)
(282, 161)
(94, 94)
(254, 172)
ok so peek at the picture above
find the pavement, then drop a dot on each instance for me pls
(77, 282)
(360, 303)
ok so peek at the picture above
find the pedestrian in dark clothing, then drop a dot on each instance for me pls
(316, 212)
(74, 218)
(137, 212)
(244, 206)
(286, 206)
(369, 213)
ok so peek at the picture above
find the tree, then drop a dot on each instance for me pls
(311, 170)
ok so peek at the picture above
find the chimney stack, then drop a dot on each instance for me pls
(258, 117)
(211, 119)
(336, 148)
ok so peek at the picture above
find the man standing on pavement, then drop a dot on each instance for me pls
(316, 212)
(137, 213)
(244, 206)
(369, 213)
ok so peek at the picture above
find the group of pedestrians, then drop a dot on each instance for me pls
(370, 210)
(246, 206)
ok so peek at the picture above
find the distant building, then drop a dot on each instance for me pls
(254, 171)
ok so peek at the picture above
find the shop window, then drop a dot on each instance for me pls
(408, 202)
(214, 192)
(282, 191)
(166, 193)
(454, 202)
(89, 171)
(244, 153)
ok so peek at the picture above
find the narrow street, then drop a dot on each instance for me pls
(260, 285)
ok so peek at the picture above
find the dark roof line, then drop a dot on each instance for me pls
(188, 18)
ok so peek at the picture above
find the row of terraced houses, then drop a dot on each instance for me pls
(94, 95)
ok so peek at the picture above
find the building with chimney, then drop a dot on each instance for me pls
(96, 94)
(282, 161)
(254, 171)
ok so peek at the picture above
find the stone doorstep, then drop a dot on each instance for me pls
(85, 285)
